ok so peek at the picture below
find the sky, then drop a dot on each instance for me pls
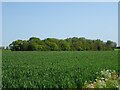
(92, 20)
(60, 0)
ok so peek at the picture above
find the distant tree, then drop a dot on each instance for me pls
(75, 43)
(7, 48)
(40, 48)
(109, 42)
(34, 39)
(64, 46)
(114, 45)
(24, 46)
(32, 46)
(16, 45)
(109, 45)
(2, 47)
(118, 47)
(53, 44)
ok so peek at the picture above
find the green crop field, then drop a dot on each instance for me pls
(54, 69)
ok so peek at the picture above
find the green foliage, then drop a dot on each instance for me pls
(69, 44)
(107, 79)
(53, 69)
(64, 46)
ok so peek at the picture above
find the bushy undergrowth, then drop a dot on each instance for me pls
(106, 79)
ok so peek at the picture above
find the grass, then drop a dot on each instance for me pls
(54, 69)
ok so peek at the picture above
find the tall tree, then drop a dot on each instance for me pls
(53, 44)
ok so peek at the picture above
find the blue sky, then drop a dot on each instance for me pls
(59, 20)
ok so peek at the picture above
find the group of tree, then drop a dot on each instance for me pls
(4, 48)
(118, 47)
(69, 44)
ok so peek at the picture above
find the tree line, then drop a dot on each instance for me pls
(68, 44)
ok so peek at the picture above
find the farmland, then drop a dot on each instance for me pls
(54, 69)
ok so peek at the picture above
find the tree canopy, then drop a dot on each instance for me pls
(68, 44)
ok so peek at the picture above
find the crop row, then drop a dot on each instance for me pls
(55, 69)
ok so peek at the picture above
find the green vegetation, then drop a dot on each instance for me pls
(69, 44)
(107, 79)
(53, 69)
